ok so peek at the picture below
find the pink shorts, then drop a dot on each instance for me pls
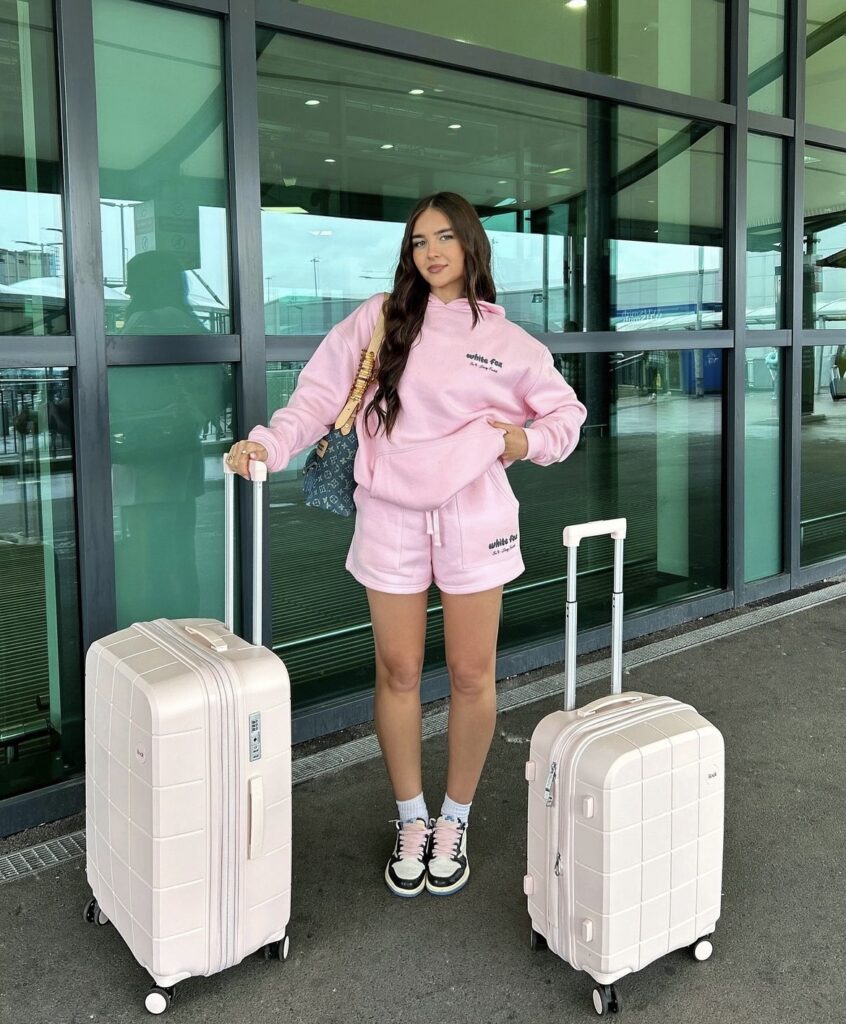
(470, 544)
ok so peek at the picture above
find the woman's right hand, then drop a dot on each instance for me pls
(240, 455)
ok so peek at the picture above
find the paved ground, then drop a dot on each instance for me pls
(778, 693)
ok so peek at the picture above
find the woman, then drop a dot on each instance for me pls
(444, 414)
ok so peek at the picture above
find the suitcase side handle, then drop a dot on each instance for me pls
(572, 537)
(606, 702)
(258, 475)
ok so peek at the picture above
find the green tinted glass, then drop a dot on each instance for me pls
(762, 535)
(764, 232)
(651, 451)
(823, 487)
(32, 264)
(41, 728)
(347, 151)
(676, 46)
(169, 427)
(161, 123)
(766, 56)
(825, 63)
(824, 291)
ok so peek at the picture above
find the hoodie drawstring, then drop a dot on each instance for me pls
(433, 526)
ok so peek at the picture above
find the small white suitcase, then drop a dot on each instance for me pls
(625, 838)
(188, 788)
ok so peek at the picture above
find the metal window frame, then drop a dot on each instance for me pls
(249, 350)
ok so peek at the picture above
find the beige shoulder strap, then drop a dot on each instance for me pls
(346, 417)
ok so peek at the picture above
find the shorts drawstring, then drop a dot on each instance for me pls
(433, 527)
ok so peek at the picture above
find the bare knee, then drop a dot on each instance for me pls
(400, 675)
(471, 678)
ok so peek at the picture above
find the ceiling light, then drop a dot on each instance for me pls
(455, 126)
(329, 160)
(415, 92)
(560, 170)
(502, 181)
(811, 159)
(283, 209)
(575, 4)
(312, 103)
(506, 202)
(388, 145)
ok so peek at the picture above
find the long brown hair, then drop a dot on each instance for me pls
(405, 307)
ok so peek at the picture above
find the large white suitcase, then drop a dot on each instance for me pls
(188, 788)
(625, 838)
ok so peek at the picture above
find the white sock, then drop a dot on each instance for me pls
(451, 809)
(410, 810)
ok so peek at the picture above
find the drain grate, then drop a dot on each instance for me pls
(57, 851)
(45, 855)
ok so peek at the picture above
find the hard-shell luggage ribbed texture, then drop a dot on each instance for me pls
(188, 794)
(625, 816)
(625, 832)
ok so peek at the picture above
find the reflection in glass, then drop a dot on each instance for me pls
(169, 427)
(823, 506)
(764, 232)
(766, 56)
(825, 64)
(558, 181)
(32, 264)
(762, 536)
(677, 46)
(163, 181)
(651, 451)
(824, 292)
(41, 735)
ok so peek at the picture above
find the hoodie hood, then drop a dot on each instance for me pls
(463, 306)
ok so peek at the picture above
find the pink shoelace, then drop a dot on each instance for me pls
(412, 841)
(447, 837)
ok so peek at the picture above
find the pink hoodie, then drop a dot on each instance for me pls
(456, 378)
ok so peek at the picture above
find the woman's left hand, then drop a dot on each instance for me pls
(516, 442)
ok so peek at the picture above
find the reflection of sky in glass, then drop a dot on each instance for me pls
(25, 217)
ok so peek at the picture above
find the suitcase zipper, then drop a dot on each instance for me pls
(550, 781)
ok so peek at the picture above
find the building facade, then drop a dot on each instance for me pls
(193, 193)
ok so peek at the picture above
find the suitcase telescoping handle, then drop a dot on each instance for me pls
(573, 535)
(258, 474)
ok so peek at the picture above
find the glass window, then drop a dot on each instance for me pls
(764, 232)
(651, 451)
(676, 46)
(825, 64)
(163, 183)
(762, 536)
(169, 426)
(32, 263)
(824, 292)
(823, 496)
(41, 717)
(766, 56)
(600, 217)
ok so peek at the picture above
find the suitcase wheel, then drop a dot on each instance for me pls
(537, 941)
(702, 949)
(92, 914)
(159, 999)
(278, 950)
(606, 999)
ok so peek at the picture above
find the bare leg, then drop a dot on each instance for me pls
(399, 632)
(471, 624)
